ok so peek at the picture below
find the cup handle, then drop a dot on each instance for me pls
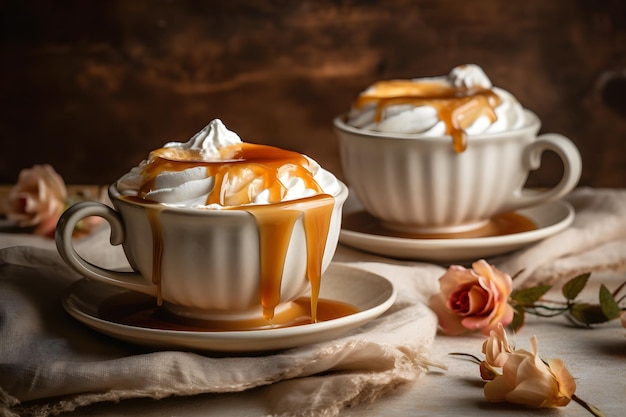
(572, 169)
(64, 242)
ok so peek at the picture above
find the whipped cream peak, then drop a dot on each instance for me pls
(469, 76)
(209, 141)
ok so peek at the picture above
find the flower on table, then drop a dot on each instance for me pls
(525, 378)
(37, 199)
(473, 299)
(522, 377)
(36, 202)
(480, 298)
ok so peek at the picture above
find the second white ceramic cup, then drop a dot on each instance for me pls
(420, 184)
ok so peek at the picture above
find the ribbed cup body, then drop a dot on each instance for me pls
(210, 259)
(421, 184)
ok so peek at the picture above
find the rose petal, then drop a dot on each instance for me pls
(449, 322)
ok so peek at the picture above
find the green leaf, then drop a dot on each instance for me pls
(518, 320)
(608, 304)
(587, 314)
(528, 296)
(574, 286)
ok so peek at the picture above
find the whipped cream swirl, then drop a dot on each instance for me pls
(191, 187)
(419, 106)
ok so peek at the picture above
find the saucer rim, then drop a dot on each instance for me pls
(488, 246)
(241, 340)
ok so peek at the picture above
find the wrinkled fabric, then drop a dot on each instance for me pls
(50, 363)
(596, 241)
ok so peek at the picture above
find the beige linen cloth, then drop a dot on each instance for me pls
(50, 363)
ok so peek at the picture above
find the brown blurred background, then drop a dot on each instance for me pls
(91, 86)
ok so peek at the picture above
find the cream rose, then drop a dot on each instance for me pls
(473, 299)
(37, 200)
(526, 379)
(497, 351)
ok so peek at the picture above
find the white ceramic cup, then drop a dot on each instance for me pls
(209, 259)
(421, 185)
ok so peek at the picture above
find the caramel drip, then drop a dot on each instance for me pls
(457, 107)
(275, 226)
(275, 222)
(317, 224)
(249, 169)
(153, 214)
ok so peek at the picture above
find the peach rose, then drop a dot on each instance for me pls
(473, 299)
(527, 380)
(37, 200)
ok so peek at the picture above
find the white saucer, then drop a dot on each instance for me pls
(550, 218)
(370, 293)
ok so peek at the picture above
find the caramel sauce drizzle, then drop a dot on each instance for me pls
(247, 168)
(275, 222)
(134, 309)
(157, 248)
(503, 224)
(457, 107)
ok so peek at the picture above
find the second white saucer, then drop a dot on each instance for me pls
(550, 218)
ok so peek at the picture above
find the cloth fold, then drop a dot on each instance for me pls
(596, 241)
(50, 363)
